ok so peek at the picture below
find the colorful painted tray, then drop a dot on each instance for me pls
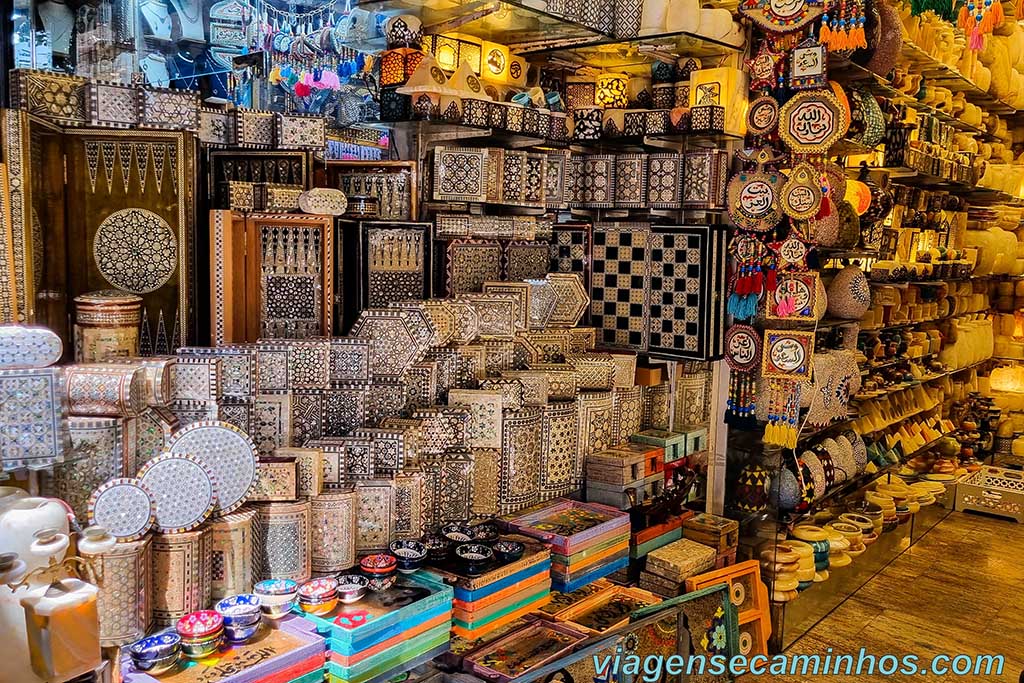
(347, 649)
(392, 673)
(526, 596)
(568, 525)
(228, 452)
(183, 489)
(608, 609)
(568, 585)
(522, 651)
(411, 596)
(476, 605)
(124, 507)
(391, 661)
(353, 659)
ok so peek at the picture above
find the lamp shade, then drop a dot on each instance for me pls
(397, 66)
(611, 91)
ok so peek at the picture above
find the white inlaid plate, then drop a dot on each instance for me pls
(28, 347)
(124, 507)
(183, 488)
(227, 452)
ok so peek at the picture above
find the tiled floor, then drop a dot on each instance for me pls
(959, 590)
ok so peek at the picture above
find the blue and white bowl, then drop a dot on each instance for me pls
(239, 610)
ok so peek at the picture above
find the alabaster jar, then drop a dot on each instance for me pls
(22, 519)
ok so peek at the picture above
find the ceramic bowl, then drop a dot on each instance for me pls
(379, 583)
(199, 625)
(158, 666)
(456, 533)
(473, 557)
(437, 547)
(157, 646)
(508, 551)
(277, 596)
(410, 555)
(239, 610)
(242, 634)
(352, 588)
(200, 648)
(485, 532)
(378, 563)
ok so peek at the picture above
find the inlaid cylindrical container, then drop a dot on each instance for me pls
(106, 390)
(281, 538)
(106, 325)
(595, 425)
(159, 379)
(626, 413)
(448, 486)
(333, 531)
(519, 483)
(231, 552)
(122, 574)
(100, 446)
(655, 406)
(561, 464)
(181, 574)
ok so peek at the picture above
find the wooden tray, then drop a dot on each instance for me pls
(568, 525)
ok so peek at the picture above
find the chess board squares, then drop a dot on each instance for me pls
(619, 285)
(630, 181)
(570, 249)
(471, 263)
(349, 360)
(237, 367)
(687, 271)
(526, 260)
(460, 174)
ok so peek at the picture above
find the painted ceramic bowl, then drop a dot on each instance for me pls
(241, 634)
(200, 648)
(410, 555)
(158, 666)
(437, 547)
(473, 558)
(378, 564)
(239, 610)
(485, 532)
(277, 596)
(352, 588)
(508, 551)
(157, 646)
(456, 533)
(318, 596)
(199, 625)
(379, 583)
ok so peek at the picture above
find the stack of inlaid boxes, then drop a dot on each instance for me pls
(709, 542)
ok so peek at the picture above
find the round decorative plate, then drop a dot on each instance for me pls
(812, 121)
(227, 452)
(763, 115)
(135, 250)
(124, 507)
(184, 490)
(742, 347)
(323, 200)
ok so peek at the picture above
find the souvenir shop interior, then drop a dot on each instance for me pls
(463, 340)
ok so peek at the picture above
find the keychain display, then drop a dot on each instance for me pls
(742, 355)
(749, 282)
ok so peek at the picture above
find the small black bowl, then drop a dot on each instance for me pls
(473, 558)
(485, 532)
(437, 547)
(508, 551)
(457, 533)
(411, 555)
